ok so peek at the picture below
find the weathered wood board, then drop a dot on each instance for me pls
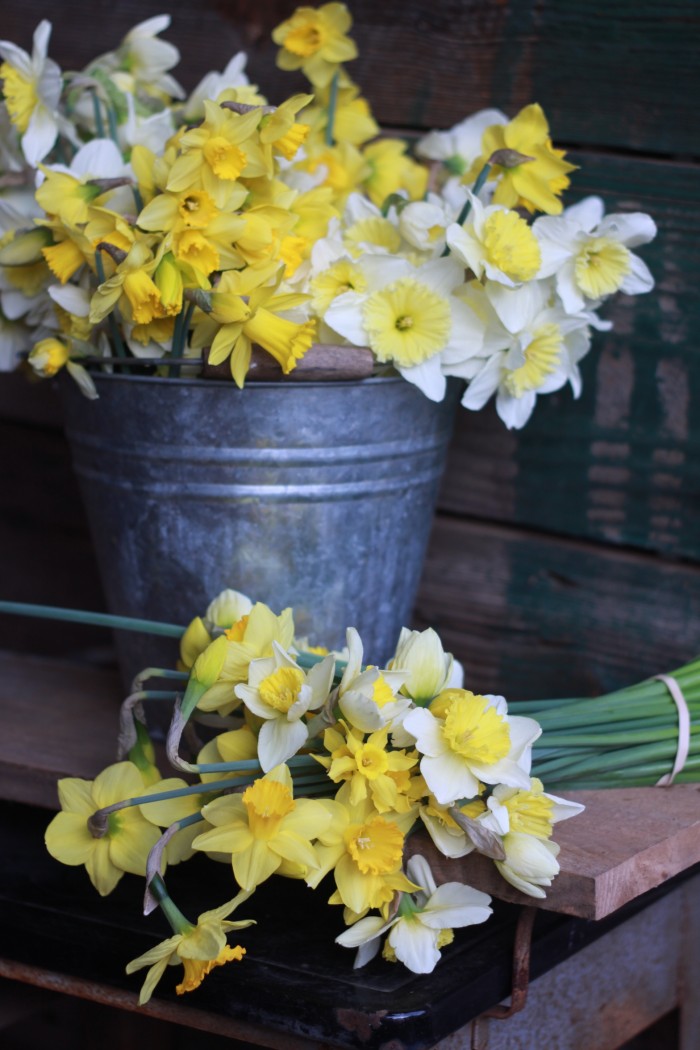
(627, 841)
(57, 719)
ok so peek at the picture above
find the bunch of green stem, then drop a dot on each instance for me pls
(628, 738)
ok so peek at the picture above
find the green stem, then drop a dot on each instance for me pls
(178, 922)
(332, 104)
(467, 206)
(119, 623)
(99, 123)
(182, 325)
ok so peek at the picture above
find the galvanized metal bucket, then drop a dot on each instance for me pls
(314, 495)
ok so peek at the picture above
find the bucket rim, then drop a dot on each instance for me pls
(258, 384)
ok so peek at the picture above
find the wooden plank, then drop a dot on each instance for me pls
(57, 719)
(535, 616)
(620, 74)
(625, 458)
(626, 842)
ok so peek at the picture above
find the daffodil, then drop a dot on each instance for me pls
(251, 637)
(125, 842)
(540, 348)
(409, 317)
(199, 949)
(391, 170)
(364, 849)
(372, 769)
(142, 61)
(465, 738)
(49, 356)
(535, 184)
(315, 40)
(589, 253)
(31, 85)
(423, 922)
(131, 288)
(368, 698)
(281, 693)
(245, 312)
(451, 839)
(224, 147)
(460, 147)
(264, 826)
(429, 669)
(497, 243)
(213, 84)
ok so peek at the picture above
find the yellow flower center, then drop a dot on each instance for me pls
(293, 251)
(225, 160)
(475, 730)
(191, 247)
(288, 144)
(531, 812)
(342, 276)
(375, 846)
(511, 246)
(601, 266)
(63, 259)
(382, 693)
(407, 322)
(143, 295)
(281, 688)
(236, 632)
(372, 761)
(197, 969)
(20, 96)
(196, 209)
(541, 358)
(305, 40)
(267, 803)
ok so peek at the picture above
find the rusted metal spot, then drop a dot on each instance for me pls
(521, 966)
(361, 1024)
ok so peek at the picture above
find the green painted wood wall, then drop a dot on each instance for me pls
(565, 558)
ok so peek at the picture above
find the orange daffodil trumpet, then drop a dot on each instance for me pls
(314, 764)
(225, 223)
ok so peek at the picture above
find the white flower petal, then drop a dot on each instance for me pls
(415, 945)
(279, 740)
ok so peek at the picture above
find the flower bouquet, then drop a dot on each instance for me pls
(316, 767)
(151, 232)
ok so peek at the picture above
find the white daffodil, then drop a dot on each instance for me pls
(32, 89)
(530, 863)
(590, 253)
(540, 348)
(143, 61)
(409, 317)
(152, 131)
(281, 693)
(460, 146)
(429, 668)
(212, 84)
(497, 243)
(368, 699)
(423, 224)
(423, 923)
(465, 739)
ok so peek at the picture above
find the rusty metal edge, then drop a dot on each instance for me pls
(164, 1011)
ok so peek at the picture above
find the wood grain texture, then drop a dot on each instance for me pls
(534, 616)
(620, 74)
(57, 719)
(621, 464)
(627, 841)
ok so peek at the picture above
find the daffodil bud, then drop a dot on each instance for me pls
(48, 357)
(205, 672)
(168, 281)
(429, 666)
(24, 248)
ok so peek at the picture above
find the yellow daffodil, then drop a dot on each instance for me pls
(199, 949)
(390, 170)
(315, 40)
(372, 769)
(49, 356)
(131, 288)
(263, 827)
(127, 840)
(534, 184)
